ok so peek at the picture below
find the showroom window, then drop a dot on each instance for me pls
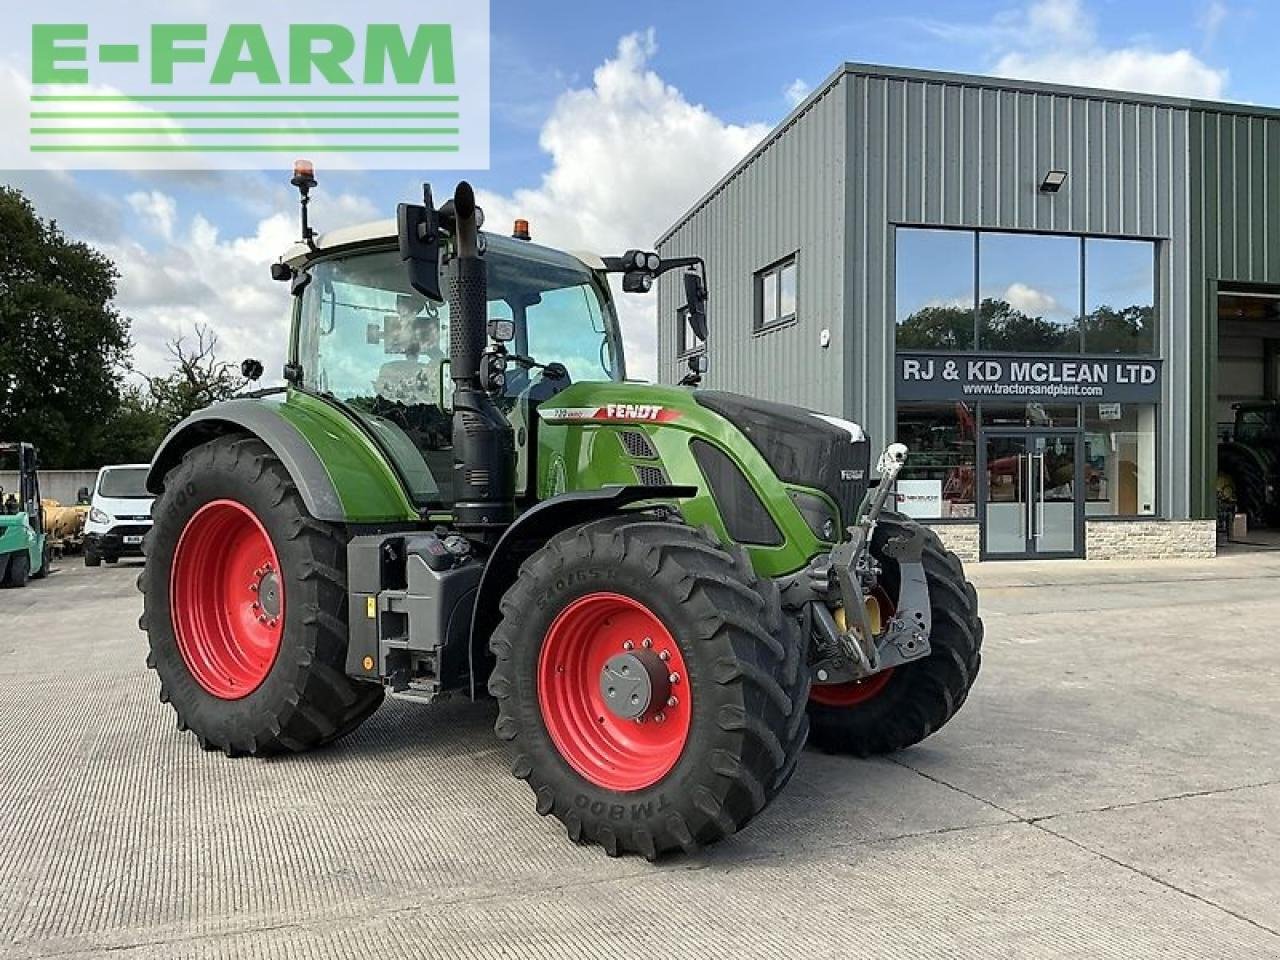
(776, 294)
(1119, 297)
(963, 290)
(1120, 459)
(1028, 293)
(938, 480)
(935, 298)
(687, 341)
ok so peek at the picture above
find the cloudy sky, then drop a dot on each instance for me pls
(609, 120)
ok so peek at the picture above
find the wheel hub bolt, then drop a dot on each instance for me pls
(672, 701)
(648, 642)
(665, 655)
(628, 645)
(674, 678)
(822, 675)
(659, 718)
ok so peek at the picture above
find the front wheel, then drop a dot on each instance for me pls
(245, 606)
(901, 706)
(19, 570)
(46, 558)
(649, 688)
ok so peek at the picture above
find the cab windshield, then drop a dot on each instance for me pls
(366, 338)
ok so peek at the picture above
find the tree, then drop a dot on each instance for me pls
(132, 433)
(937, 328)
(63, 345)
(199, 378)
(1127, 330)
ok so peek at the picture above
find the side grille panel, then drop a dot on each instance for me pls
(637, 445)
(745, 518)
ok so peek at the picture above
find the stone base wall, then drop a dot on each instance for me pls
(960, 538)
(1150, 539)
(1111, 539)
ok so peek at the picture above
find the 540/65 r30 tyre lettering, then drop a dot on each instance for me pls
(649, 689)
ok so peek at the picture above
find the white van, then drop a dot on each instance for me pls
(119, 515)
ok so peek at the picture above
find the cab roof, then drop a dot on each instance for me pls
(377, 232)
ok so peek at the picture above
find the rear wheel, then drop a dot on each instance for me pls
(901, 706)
(649, 688)
(245, 606)
(92, 557)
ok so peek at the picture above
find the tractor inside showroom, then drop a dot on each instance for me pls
(1249, 462)
(667, 590)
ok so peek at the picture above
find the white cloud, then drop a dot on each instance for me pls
(1029, 300)
(1211, 20)
(158, 210)
(796, 91)
(629, 154)
(1057, 41)
(203, 277)
(1179, 73)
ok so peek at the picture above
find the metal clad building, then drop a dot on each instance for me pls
(803, 240)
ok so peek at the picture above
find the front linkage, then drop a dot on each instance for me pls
(846, 581)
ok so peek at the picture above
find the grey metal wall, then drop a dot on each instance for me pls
(789, 199)
(932, 149)
(1235, 183)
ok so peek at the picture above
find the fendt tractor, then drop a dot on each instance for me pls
(1249, 462)
(668, 590)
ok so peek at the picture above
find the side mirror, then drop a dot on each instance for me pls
(699, 363)
(695, 294)
(419, 232)
(251, 369)
(281, 272)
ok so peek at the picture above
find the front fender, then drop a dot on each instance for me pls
(340, 475)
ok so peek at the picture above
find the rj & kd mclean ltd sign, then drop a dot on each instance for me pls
(187, 85)
(1029, 377)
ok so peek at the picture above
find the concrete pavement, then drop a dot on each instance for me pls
(1112, 789)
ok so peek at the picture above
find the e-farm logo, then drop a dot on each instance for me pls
(397, 86)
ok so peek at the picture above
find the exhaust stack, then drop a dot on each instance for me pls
(483, 444)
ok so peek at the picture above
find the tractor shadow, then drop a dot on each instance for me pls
(404, 731)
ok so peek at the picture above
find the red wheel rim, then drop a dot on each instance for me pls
(607, 749)
(856, 692)
(226, 599)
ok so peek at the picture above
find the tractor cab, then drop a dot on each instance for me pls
(24, 547)
(365, 338)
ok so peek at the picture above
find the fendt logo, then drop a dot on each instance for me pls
(649, 412)
(142, 85)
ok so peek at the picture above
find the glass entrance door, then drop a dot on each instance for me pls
(1032, 495)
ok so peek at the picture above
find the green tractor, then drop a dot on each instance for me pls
(24, 547)
(667, 590)
(1249, 462)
